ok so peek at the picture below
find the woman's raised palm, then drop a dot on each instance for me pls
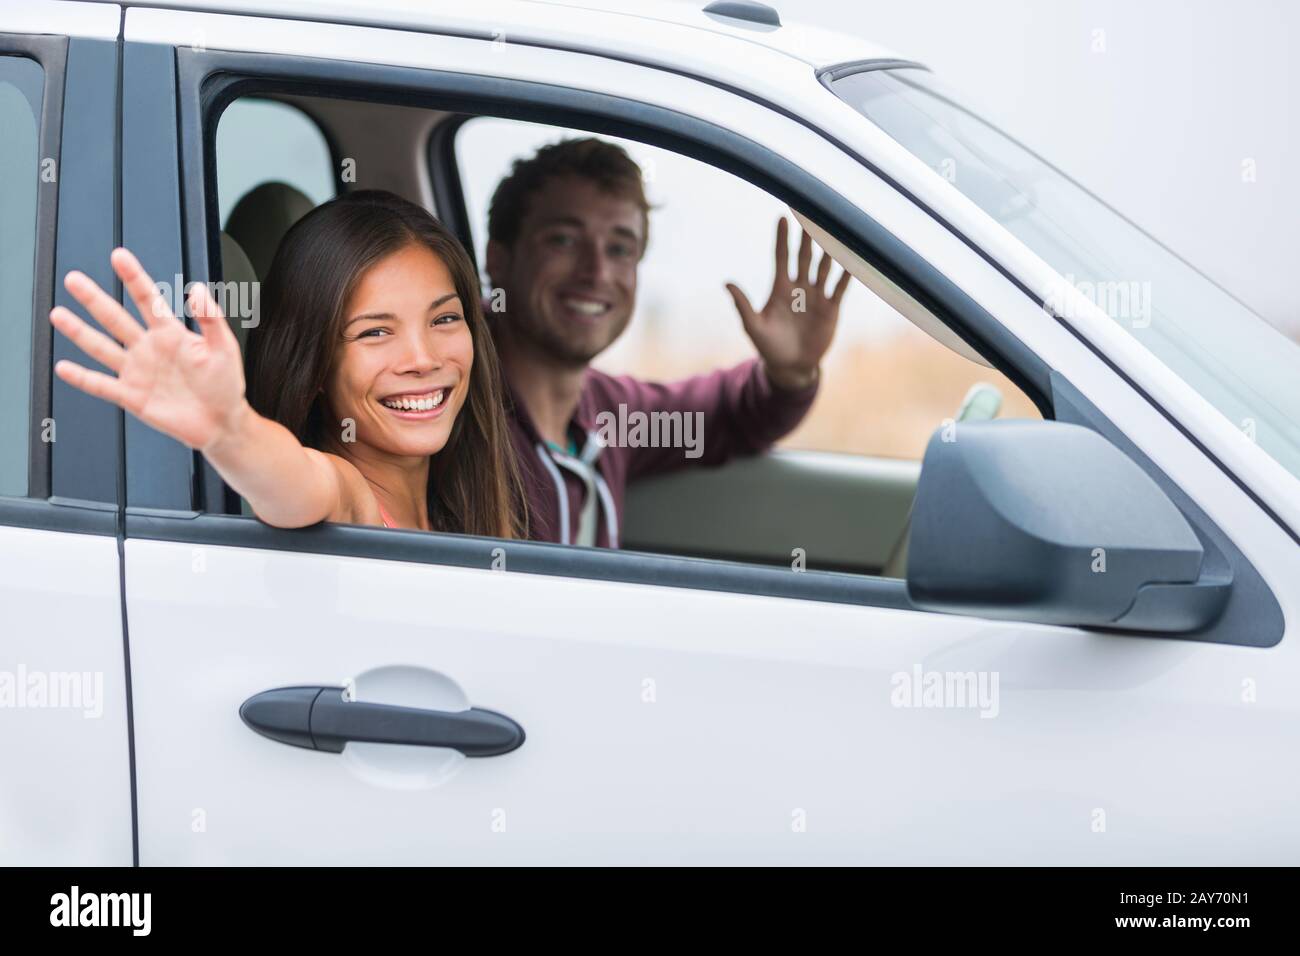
(188, 385)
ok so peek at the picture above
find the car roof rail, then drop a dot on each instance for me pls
(748, 10)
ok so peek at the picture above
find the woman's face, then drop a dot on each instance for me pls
(401, 371)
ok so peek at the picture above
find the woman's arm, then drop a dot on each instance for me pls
(286, 484)
(191, 387)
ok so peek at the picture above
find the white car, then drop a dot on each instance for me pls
(1093, 657)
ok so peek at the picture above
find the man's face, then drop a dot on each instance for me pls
(570, 277)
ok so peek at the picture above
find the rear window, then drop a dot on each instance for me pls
(21, 86)
(261, 141)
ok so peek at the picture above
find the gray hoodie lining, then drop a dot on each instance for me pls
(560, 490)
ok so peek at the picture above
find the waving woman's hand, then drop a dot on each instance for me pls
(188, 385)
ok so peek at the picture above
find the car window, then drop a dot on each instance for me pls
(886, 385)
(1231, 356)
(260, 141)
(21, 83)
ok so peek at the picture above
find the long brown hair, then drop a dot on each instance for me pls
(474, 484)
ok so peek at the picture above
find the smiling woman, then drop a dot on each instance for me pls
(373, 395)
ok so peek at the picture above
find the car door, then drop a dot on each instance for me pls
(643, 708)
(65, 794)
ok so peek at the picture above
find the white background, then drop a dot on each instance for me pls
(1157, 125)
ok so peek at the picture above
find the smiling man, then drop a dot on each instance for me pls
(566, 232)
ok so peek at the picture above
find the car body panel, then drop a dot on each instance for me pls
(654, 33)
(665, 724)
(69, 18)
(65, 795)
(676, 724)
(668, 725)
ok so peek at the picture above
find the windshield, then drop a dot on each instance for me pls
(1237, 361)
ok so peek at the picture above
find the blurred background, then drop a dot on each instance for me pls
(1157, 123)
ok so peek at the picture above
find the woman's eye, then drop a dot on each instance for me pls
(620, 251)
(447, 319)
(372, 333)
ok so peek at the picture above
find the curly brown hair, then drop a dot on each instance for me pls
(604, 163)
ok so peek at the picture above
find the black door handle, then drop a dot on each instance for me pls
(319, 718)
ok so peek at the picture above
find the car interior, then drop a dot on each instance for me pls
(840, 512)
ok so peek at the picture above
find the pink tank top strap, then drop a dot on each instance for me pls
(384, 516)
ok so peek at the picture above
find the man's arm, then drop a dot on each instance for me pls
(703, 420)
(743, 410)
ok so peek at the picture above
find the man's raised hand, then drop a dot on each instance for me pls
(794, 329)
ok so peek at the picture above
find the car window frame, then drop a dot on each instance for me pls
(446, 186)
(73, 216)
(50, 54)
(209, 78)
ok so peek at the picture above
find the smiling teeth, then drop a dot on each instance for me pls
(587, 308)
(422, 404)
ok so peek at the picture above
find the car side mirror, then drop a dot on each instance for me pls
(1051, 523)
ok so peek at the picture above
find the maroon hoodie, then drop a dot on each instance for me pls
(630, 429)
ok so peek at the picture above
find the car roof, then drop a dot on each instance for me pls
(588, 25)
(814, 45)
